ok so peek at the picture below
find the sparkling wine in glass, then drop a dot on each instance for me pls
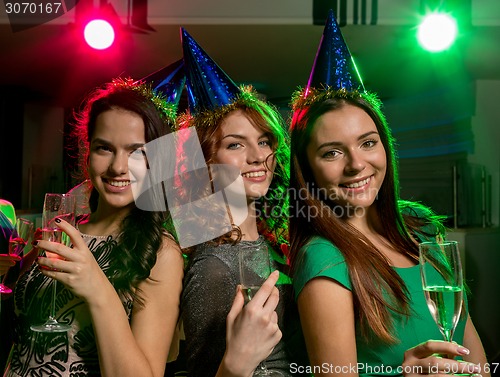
(255, 268)
(60, 206)
(442, 281)
(17, 242)
(21, 236)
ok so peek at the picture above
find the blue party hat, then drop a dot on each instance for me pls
(168, 81)
(334, 66)
(208, 86)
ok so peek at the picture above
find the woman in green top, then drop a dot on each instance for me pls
(354, 244)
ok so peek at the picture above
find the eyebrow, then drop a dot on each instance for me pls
(241, 137)
(128, 146)
(338, 143)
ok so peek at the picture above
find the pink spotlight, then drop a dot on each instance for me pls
(99, 34)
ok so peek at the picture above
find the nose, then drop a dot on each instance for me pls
(119, 164)
(256, 155)
(355, 163)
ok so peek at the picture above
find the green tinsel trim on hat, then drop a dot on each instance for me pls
(208, 118)
(302, 101)
(166, 109)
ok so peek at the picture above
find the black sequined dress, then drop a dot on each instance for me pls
(209, 288)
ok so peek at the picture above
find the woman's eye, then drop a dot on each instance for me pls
(369, 143)
(138, 153)
(330, 154)
(102, 148)
(265, 143)
(234, 146)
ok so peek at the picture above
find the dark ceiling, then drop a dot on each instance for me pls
(50, 62)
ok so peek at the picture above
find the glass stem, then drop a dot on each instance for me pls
(448, 335)
(4, 277)
(53, 304)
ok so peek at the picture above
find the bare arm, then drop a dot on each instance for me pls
(327, 319)
(473, 343)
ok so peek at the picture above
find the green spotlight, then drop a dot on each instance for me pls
(437, 32)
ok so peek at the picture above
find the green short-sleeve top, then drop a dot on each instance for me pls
(320, 258)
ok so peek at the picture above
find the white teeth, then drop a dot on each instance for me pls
(119, 183)
(254, 174)
(358, 184)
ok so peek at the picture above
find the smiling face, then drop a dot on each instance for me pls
(347, 157)
(118, 135)
(248, 148)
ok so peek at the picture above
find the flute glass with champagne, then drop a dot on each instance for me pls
(255, 268)
(442, 281)
(60, 206)
(18, 240)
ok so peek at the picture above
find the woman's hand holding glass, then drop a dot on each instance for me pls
(255, 268)
(252, 330)
(55, 208)
(75, 267)
(442, 282)
(426, 358)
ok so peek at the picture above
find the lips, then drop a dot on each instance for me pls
(356, 184)
(254, 174)
(113, 186)
(117, 183)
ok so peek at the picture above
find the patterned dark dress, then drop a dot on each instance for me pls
(6, 229)
(63, 354)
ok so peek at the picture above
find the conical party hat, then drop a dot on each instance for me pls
(208, 86)
(333, 66)
(168, 81)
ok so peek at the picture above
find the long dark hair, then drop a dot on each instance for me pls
(370, 271)
(141, 232)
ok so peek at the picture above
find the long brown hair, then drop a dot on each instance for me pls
(273, 207)
(376, 287)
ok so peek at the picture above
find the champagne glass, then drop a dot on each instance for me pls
(442, 281)
(255, 268)
(17, 241)
(60, 206)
